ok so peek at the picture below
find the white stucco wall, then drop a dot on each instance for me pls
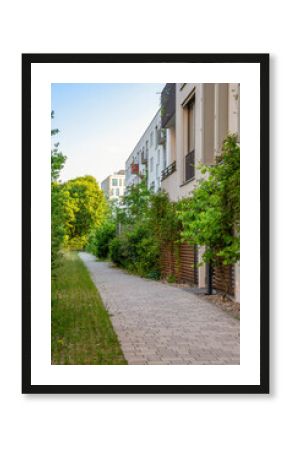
(155, 154)
(111, 191)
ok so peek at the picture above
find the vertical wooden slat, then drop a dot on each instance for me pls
(224, 279)
(180, 261)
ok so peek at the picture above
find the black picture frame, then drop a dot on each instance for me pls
(263, 61)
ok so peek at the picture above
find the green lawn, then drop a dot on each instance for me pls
(81, 330)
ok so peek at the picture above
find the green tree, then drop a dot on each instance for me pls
(99, 239)
(85, 209)
(136, 203)
(57, 158)
(57, 210)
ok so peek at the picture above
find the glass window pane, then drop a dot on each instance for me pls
(191, 126)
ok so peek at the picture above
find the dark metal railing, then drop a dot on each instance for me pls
(189, 165)
(168, 171)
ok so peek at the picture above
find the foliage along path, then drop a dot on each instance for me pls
(162, 324)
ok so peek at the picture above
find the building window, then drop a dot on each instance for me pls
(191, 126)
(164, 157)
(157, 170)
(120, 181)
(151, 164)
(146, 143)
(151, 138)
(190, 151)
(114, 182)
(117, 192)
(158, 156)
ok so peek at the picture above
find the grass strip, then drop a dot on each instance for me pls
(81, 329)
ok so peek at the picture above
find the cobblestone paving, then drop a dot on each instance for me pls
(160, 324)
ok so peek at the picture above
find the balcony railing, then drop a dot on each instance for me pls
(168, 171)
(168, 96)
(144, 157)
(189, 165)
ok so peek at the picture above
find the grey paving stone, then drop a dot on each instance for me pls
(161, 324)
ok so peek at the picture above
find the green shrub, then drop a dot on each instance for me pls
(147, 257)
(99, 239)
(106, 234)
(148, 221)
(137, 251)
(118, 250)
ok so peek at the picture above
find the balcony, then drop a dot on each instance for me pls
(144, 157)
(168, 171)
(160, 137)
(168, 96)
(189, 165)
(134, 169)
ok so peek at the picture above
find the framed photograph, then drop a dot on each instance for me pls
(145, 230)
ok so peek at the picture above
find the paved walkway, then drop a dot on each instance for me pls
(160, 324)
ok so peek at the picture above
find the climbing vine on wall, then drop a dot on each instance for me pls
(211, 216)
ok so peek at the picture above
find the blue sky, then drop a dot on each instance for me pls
(100, 124)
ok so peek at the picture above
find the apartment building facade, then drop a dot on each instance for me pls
(114, 186)
(197, 118)
(148, 156)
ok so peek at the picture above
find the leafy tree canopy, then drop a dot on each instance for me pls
(85, 208)
(57, 158)
(57, 210)
(135, 203)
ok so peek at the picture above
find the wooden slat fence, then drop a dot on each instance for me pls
(224, 279)
(181, 261)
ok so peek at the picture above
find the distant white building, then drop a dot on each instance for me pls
(114, 185)
(148, 155)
